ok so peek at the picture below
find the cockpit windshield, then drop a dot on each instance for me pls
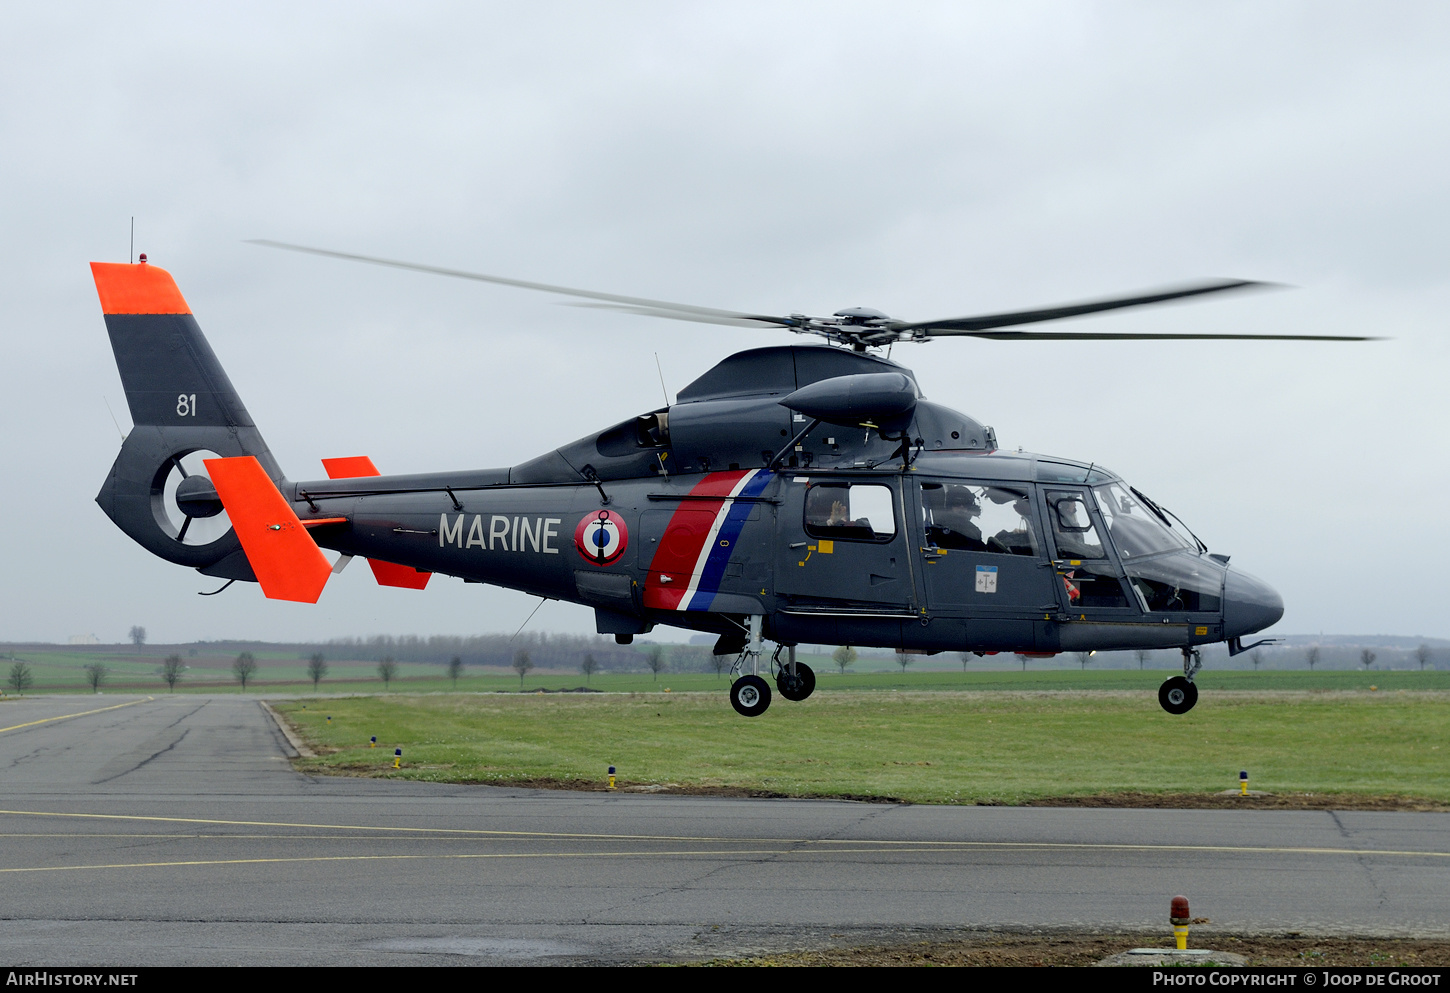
(1135, 526)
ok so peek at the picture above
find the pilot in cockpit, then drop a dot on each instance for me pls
(1021, 538)
(1076, 536)
(954, 523)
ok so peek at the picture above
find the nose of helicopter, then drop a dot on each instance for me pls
(1249, 604)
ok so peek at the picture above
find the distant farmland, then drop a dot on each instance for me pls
(283, 669)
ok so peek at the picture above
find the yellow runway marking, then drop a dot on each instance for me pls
(379, 858)
(199, 836)
(846, 846)
(775, 853)
(66, 717)
(468, 832)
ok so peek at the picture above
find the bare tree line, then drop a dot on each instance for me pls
(546, 651)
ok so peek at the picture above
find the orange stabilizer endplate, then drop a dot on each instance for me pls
(350, 467)
(137, 289)
(386, 573)
(288, 563)
(393, 574)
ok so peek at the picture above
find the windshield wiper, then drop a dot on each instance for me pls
(1164, 513)
(1157, 511)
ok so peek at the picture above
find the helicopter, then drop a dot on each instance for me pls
(800, 493)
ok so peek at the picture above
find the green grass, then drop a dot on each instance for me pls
(938, 747)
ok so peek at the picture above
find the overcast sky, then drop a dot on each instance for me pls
(927, 160)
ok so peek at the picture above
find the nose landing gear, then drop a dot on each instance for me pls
(1178, 694)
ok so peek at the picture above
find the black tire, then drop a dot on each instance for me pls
(1177, 695)
(799, 686)
(750, 696)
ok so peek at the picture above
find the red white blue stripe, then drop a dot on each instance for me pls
(689, 567)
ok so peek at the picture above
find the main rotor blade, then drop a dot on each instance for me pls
(643, 305)
(725, 317)
(984, 322)
(1145, 336)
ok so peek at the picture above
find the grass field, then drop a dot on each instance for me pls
(1003, 746)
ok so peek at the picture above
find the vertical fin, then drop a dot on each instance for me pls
(171, 376)
(181, 402)
(286, 560)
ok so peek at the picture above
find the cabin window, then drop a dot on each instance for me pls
(978, 518)
(859, 511)
(1086, 574)
(1072, 526)
(1091, 584)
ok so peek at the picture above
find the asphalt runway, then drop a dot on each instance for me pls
(171, 830)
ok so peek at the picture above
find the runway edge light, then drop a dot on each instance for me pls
(1179, 916)
(397, 758)
(1244, 783)
(611, 777)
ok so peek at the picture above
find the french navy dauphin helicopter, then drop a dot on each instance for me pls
(797, 493)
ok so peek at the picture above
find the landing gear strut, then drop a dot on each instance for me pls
(1178, 694)
(750, 695)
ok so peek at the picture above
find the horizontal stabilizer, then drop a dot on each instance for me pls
(286, 560)
(350, 466)
(386, 573)
(403, 576)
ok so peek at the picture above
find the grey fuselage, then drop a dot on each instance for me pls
(677, 518)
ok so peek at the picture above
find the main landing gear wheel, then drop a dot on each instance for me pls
(796, 688)
(749, 695)
(1177, 695)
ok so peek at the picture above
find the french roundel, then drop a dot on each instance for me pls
(601, 537)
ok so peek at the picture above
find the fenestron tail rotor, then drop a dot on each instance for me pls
(190, 502)
(861, 327)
